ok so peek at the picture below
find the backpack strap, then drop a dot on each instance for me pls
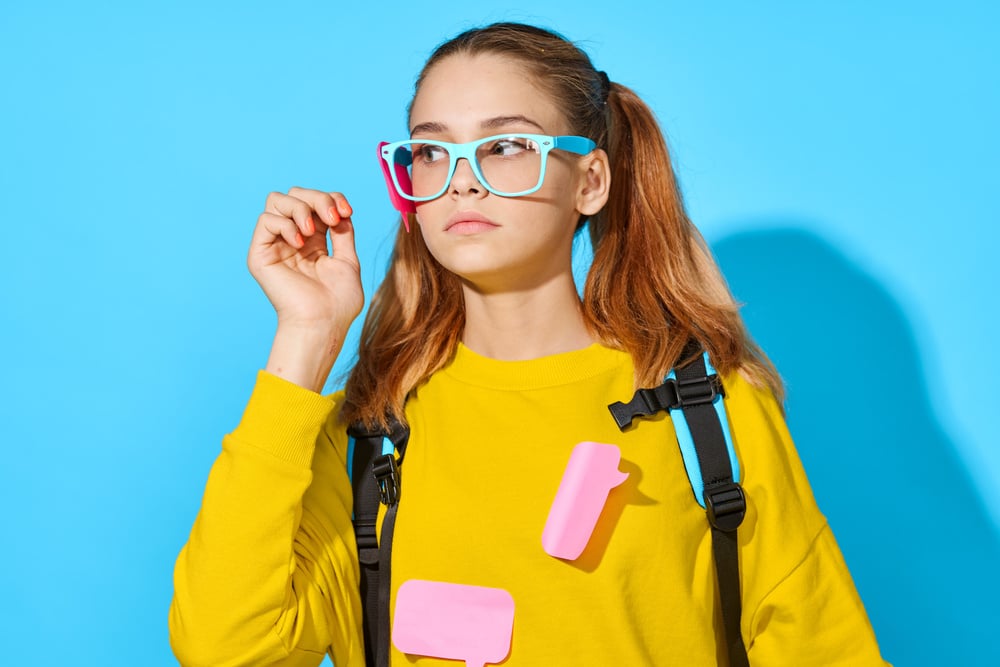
(374, 470)
(712, 468)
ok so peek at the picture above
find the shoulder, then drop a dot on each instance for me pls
(760, 433)
(753, 406)
(769, 461)
(783, 518)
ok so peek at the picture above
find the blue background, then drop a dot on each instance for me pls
(840, 160)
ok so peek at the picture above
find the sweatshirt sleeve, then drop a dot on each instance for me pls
(268, 575)
(800, 605)
(814, 616)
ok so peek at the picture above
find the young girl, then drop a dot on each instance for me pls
(478, 341)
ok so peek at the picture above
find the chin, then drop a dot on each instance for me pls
(479, 276)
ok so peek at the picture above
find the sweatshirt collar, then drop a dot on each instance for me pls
(548, 371)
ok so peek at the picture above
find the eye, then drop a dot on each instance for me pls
(428, 153)
(512, 146)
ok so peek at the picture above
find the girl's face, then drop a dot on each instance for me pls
(501, 243)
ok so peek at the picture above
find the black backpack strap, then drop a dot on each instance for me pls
(375, 477)
(695, 391)
(725, 502)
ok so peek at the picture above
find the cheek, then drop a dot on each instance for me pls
(425, 228)
(426, 212)
(559, 189)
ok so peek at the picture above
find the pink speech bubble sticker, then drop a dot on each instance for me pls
(590, 475)
(453, 621)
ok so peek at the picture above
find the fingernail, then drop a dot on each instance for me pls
(299, 241)
(334, 215)
(310, 225)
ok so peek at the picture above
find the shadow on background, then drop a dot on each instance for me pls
(918, 540)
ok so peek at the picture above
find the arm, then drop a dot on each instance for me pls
(800, 606)
(265, 579)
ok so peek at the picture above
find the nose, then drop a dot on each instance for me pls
(464, 180)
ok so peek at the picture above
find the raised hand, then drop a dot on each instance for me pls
(315, 290)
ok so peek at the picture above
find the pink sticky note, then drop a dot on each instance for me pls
(453, 621)
(590, 475)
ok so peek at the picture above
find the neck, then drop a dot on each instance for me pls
(527, 324)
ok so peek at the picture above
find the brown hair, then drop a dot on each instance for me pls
(652, 285)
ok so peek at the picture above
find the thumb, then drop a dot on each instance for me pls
(342, 245)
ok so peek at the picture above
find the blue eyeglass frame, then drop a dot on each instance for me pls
(467, 150)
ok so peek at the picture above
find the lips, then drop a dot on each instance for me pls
(469, 222)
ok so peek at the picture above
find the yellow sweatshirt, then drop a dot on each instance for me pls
(269, 575)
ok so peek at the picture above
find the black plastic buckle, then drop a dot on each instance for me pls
(645, 402)
(698, 391)
(726, 506)
(387, 477)
(670, 395)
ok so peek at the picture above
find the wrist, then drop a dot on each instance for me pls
(304, 354)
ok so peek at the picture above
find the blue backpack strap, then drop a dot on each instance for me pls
(374, 470)
(712, 469)
(686, 442)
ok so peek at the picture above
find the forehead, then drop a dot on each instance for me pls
(462, 91)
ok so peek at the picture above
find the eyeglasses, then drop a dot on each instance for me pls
(509, 165)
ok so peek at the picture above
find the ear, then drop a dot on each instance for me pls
(595, 182)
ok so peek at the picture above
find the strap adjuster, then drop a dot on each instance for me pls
(387, 477)
(726, 506)
(697, 391)
(367, 541)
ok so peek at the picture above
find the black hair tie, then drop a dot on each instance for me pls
(605, 85)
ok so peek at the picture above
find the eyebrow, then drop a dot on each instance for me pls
(502, 121)
(431, 128)
(489, 124)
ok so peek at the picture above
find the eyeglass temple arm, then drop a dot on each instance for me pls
(580, 145)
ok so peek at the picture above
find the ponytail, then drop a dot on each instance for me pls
(653, 283)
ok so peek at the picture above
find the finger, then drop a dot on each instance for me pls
(343, 207)
(331, 206)
(271, 226)
(342, 245)
(293, 208)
